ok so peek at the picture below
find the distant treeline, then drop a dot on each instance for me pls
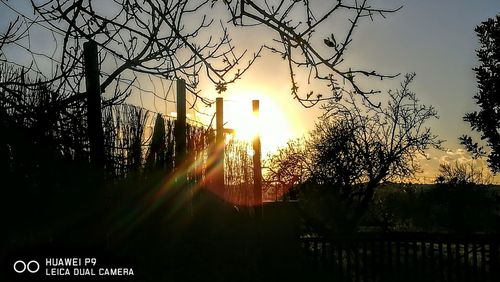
(451, 208)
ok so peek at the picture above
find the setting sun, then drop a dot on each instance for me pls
(271, 124)
(247, 126)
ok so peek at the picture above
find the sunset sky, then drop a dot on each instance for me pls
(433, 38)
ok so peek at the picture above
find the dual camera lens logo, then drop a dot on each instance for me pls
(21, 266)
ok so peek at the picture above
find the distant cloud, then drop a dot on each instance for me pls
(459, 155)
(456, 152)
(430, 167)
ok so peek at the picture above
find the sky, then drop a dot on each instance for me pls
(434, 39)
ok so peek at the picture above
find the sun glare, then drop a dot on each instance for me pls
(271, 125)
(247, 127)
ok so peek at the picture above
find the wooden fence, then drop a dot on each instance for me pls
(406, 257)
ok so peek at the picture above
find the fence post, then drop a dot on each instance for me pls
(494, 260)
(219, 147)
(180, 130)
(257, 168)
(94, 115)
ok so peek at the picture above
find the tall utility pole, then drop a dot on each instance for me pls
(94, 115)
(180, 129)
(219, 147)
(257, 167)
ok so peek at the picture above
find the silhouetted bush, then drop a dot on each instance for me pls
(459, 208)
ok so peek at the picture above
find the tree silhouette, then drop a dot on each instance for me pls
(357, 147)
(321, 57)
(287, 167)
(487, 119)
(165, 39)
(462, 174)
(187, 39)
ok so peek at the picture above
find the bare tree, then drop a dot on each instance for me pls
(13, 33)
(322, 57)
(180, 39)
(287, 167)
(463, 173)
(166, 39)
(357, 147)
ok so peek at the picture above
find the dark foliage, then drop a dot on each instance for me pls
(451, 208)
(54, 203)
(355, 148)
(487, 119)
